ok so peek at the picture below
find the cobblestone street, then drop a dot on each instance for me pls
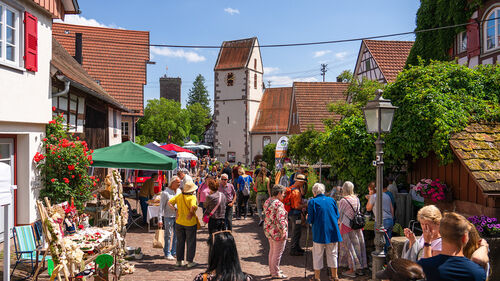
(252, 249)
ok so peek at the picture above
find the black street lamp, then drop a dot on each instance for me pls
(378, 115)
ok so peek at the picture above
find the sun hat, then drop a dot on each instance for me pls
(300, 177)
(189, 187)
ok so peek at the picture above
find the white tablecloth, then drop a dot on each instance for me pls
(153, 212)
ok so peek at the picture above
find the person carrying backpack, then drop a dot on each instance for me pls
(352, 252)
(245, 184)
(294, 207)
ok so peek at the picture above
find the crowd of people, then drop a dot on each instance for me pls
(449, 249)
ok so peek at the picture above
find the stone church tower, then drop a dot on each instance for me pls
(238, 91)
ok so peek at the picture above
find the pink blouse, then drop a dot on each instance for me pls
(276, 221)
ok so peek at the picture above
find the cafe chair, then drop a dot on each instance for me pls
(26, 249)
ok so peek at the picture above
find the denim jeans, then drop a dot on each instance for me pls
(144, 208)
(169, 224)
(388, 224)
(242, 204)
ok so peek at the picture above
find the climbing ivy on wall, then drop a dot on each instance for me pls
(437, 13)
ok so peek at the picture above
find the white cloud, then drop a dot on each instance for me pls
(341, 55)
(269, 70)
(287, 80)
(79, 20)
(232, 11)
(321, 53)
(167, 52)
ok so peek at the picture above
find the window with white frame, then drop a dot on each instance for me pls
(9, 34)
(462, 42)
(492, 30)
(124, 128)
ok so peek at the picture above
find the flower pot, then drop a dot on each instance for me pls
(442, 205)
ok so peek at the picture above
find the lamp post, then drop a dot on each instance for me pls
(378, 115)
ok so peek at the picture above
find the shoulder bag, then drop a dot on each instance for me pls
(206, 217)
(358, 221)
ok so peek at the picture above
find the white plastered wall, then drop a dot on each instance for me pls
(257, 139)
(25, 109)
(115, 135)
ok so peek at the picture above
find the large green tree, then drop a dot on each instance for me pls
(199, 93)
(164, 121)
(199, 118)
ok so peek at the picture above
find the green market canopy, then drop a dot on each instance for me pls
(129, 155)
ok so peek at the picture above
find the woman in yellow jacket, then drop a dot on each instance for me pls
(185, 224)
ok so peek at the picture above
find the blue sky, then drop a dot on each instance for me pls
(209, 22)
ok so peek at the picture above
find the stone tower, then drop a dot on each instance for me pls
(170, 88)
(238, 91)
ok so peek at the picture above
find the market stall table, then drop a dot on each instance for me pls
(153, 212)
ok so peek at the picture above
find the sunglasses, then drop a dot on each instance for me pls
(223, 179)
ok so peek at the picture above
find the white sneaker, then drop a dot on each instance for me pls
(179, 263)
(170, 257)
(191, 264)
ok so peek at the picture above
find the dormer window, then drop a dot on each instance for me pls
(230, 79)
(492, 30)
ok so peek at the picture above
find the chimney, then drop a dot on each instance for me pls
(78, 48)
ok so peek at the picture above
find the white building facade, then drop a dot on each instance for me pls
(25, 91)
(238, 92)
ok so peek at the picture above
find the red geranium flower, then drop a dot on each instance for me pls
(71, 167)
(65, 180)
(53, 108)
(52, 180)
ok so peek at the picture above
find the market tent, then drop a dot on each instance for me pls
(190, 143)
(175, 148)
(169, 153)
(197, 146)
(186, 156)
(129, 155)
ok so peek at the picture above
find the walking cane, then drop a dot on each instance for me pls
(307, 239)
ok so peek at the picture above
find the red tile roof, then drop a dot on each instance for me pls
(115, 57)
(235, 54)
(390, 56)
(312, 100)
(478, 148)
(274, 109)
(70, 68)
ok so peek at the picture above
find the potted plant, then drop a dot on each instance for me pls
(137, 254)
(435, 192)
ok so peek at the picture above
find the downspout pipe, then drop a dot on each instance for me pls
(66, 86)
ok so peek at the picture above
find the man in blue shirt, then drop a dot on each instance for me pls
(323, 214)
(451, 263)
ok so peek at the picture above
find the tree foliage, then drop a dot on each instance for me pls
(199, 117)
(436, 101)
(199, 93)
(268, 155)
(164, 121)
(435, 44)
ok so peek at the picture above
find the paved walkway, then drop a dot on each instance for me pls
(252, 248)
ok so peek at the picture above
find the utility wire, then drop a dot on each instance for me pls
(292, 44)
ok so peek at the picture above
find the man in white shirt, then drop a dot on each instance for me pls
(183, 174)
(168, 215)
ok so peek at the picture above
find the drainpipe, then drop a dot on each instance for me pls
(66, 86)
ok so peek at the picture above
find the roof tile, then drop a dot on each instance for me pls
(274, 111)
(115, 57)
(390, 56)
(478, 146)
(312, 99)
(235, 54)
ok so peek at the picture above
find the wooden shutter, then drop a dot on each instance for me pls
(30, 42)
(473, 39)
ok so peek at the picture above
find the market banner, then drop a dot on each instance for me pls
(281, 147)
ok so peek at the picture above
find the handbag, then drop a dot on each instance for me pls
(159, 240)
(358, 221)
(198, 224)
(206, 217)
